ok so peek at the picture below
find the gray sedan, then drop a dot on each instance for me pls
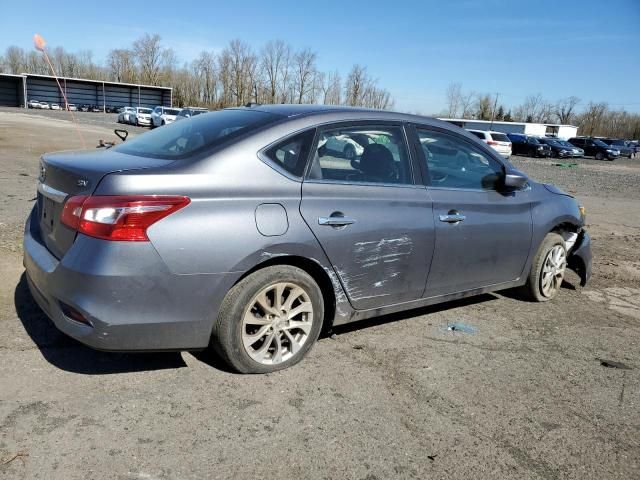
(238, 230)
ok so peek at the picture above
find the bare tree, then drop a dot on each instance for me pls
(565, 109)
(275, 63)
(591, 118)
(467, 104)
(121, 65)
(15, 59)
(484, 104)
(304, 70)
(331, 88)
(242, 71)
(454, 99)
(531, 109)
(355, 85)
(148, 52)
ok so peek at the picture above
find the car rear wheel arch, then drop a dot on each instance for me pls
(316, 271)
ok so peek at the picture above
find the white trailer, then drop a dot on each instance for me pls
(535, 129)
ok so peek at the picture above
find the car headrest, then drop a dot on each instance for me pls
(377, 162)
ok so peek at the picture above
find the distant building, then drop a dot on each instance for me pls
(537, 129)
(17, 90)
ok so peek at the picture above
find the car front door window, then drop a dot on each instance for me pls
(453, 163)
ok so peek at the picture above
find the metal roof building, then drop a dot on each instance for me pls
(17, 90)
(537, 129)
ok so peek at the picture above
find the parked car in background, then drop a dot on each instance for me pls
(55, 106)
(621, 146)
(341, 145)
(497, 140)
(126, 114)
(577, 152)
(190, 112)
(595, 148)
(635, 144)
(71, 107)
(84, 107)
(163, 116)
(33, 104)
(560, 149)
(527, 145)
(130, 248)
(45, 106)
(142, 117)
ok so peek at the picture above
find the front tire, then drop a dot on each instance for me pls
(599, 156)
(547, 270)
(269, 320)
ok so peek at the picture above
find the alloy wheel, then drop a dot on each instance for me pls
(277, 323)
(553, 271)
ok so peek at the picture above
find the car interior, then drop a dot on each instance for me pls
(380, 156)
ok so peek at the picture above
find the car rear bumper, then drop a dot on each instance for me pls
(129, 298)
(580, 259)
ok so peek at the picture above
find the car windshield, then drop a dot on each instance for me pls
(144, 110)
(618, 143)
(600, 143)
(534, 140)
(171, 111)
(182, 139)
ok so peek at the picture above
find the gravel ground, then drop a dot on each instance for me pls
(525, 396)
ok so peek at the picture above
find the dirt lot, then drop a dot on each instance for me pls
(524, 396)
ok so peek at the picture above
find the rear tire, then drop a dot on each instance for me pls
(547, 270)
(599, 156)
(256, 333)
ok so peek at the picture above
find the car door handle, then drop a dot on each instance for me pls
(335, 221)
(452, 217)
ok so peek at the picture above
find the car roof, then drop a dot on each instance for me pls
(335, 113)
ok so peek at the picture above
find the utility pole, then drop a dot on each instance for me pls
(493, 112)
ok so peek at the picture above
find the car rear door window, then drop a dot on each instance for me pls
(454, 163)
(291, 154)
(362, 154)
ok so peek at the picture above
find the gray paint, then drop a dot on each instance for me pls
(165, 294)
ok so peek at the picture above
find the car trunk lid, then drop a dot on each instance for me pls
(65, 174)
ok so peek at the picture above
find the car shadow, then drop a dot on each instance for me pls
(70, 355)
(394, 317)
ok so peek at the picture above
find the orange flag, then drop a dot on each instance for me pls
(39, 42)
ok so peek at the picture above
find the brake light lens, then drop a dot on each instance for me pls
(121, 217)
(492, 142)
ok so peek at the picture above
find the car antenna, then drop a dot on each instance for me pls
(40, 45)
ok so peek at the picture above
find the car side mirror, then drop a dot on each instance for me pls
(514, 179)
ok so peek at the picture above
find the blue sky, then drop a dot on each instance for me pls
(416, 48)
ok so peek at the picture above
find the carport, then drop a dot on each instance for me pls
(12, 88)
(94, 92)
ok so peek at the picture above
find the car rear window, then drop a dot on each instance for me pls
(478, 134)
(500, 137)
(182, 139)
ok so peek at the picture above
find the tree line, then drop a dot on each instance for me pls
(594, 118)
(237, 75)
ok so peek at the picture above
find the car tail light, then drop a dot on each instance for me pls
(122, 217)
(492, 142)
